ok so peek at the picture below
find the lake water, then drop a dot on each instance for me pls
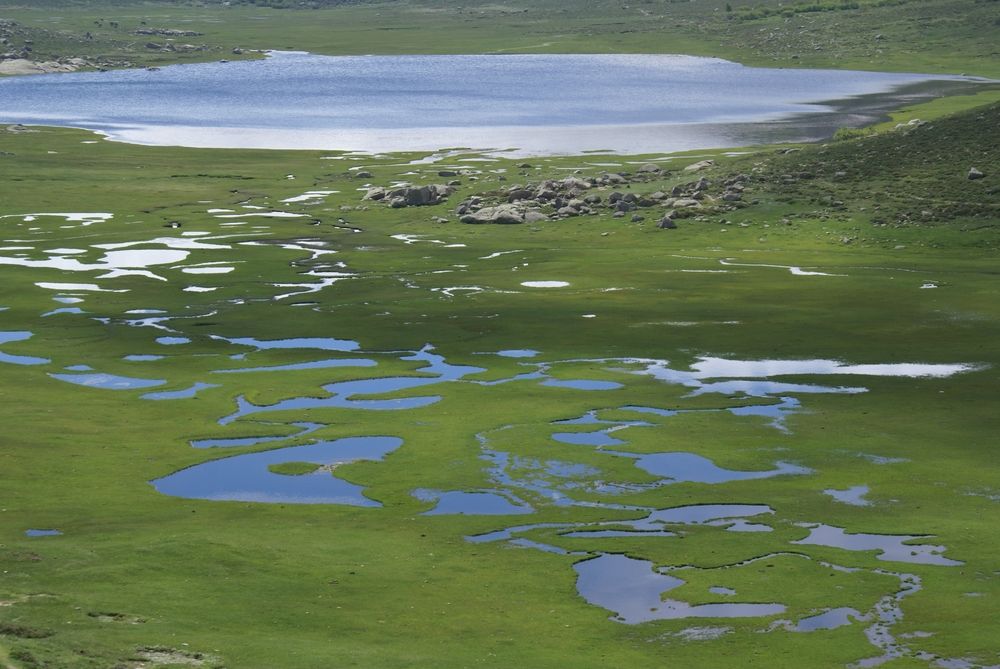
(539, 104)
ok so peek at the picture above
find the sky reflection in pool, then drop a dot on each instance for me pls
(689, 467)
(246, 477)
(598, 439)
(183, 394)
(9, 337)
(633, 591)
(854, 496)
(479, 503)
(342, 393)
(293, 367)
(517, 353)
(827, 620)
(108, 381)
(891, 547)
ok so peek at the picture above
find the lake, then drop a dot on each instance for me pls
(538, 104)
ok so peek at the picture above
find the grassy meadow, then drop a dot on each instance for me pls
(875, 249)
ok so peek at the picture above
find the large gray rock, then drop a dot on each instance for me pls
(503, 214)
(571, 183)
(700, 165)
(975, 174)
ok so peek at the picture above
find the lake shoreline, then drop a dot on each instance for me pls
(660, 104)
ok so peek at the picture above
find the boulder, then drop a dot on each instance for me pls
(421, 196)
(503, 214)
(375, 194)
(570, 183)
(667, 223)
(975, 174)
(700, 165)
(519, 194)
(650, 168)
(535, 217)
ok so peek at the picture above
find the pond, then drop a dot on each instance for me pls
(540, 104)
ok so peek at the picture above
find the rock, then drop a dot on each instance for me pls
(650, 168)
(422, 196)
(570, 183)
(447, 173)
(439, 219)
(569, 211)
(397, 202)
(519, 194)
(19, 66)
(975, 174)
(503, 214)
(362, 175)
(535, 217)
(700, 165)
(615, 197)
(686, 202)
(618, 214)
(163, 32)
(592, 199)
(667, 223)
(636, 218)
(732, 196)
(525, 166)
(375, 194)
(237, 51)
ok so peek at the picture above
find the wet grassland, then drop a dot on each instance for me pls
(254, 420)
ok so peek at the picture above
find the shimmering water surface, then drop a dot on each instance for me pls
(541, 104)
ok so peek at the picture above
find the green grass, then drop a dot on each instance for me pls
(293, 468)
(938, 36)
(302, 586)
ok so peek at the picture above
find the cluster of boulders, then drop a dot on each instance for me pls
(170, 46)
(166, 32)
(577, 195)
(410, 196)
(574, 196)
(18, 55)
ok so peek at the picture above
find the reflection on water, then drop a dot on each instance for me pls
(407, 103)
(246, 478)
(633, 590)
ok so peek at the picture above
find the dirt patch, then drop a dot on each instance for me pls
(150, 657)
(111, 617)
